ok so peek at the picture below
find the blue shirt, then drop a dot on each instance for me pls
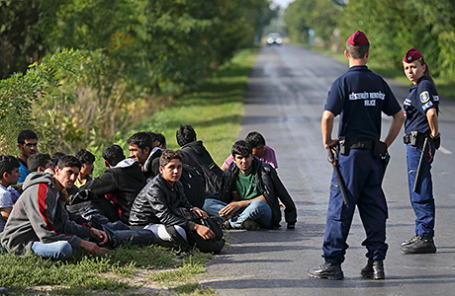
(8, 196)
(23, 170)
(359, 96)
(422, 97)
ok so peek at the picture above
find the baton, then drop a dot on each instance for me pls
(419, 167)
(334, 161)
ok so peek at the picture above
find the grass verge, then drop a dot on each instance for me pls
(215, 109)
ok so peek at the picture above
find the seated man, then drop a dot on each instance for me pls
(120, 183)
(260, 150)
(27, 142)
(161, 204)
(195, 155)
(39, 222)
(251, 194)
(87, 159)
(9, 174)
(142, 149)
(39, 162)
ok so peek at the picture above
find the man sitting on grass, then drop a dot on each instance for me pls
(160, 207)
(251, 194)
(39, 221)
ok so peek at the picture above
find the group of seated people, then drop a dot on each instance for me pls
(51, 205)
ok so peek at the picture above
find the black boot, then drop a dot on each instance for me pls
(421, 245)
(373, 270)
(410, 241)
(327, 271)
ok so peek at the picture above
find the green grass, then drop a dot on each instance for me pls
(214, 109)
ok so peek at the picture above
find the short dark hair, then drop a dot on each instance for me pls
(7, 164)
(142, 140)
(160, 138)
(185, 134)
(357, 51)
(26, 135)
(169, 155)
(255, 139)
(242, 148)
(113, 154)
(55, 157)
(85, 156)
(37, 160)
(68, 161)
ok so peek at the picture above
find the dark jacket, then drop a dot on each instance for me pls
(120, 185)
(269, 185)
(151, 166)
(158, 203)
(194, 154)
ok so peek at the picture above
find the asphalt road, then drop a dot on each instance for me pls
(285, 99)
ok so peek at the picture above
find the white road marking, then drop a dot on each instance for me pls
(444, 150)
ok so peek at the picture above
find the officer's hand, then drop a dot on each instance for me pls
(331, 143)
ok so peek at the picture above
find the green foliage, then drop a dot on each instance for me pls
(321, 16)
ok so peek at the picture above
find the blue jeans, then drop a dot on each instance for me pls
(120, 233)
(58, 250)
(257, 210)
(422, 201)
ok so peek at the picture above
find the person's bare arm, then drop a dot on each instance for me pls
(203, 231)
(432, 118)
(237, 205)
(326, 129)
(395, 127)
(5, 212)
(92, 248)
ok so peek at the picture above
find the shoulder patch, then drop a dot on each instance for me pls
(424, 97)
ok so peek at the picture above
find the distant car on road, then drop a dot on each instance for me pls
(274, 39)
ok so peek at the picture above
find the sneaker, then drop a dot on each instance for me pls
(226, 225)
(422, 245)
(250, 224)
(410, 241)
(328, 271)
(3, 291)
(373, 270)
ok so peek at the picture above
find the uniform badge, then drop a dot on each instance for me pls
(424, 97)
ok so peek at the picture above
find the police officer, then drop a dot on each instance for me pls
(421, 123)
(358, 96)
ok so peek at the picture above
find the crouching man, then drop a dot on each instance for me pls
(251, 194)
(39, 221)
(162, 208)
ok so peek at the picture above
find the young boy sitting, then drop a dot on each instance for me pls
(9, 174)
(87, 159)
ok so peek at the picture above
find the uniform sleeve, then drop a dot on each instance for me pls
(335, 98)
(391, 105)
(43, 221)
(427, 96)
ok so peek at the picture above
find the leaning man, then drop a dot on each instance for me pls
(39, 222)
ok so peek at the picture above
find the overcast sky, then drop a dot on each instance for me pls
(282, 3)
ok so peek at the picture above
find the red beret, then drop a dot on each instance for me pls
(412, 55)
(358, 38)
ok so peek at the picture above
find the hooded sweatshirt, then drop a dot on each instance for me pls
(38, 215)
(120, 184)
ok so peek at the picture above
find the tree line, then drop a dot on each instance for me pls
(79, 70)
(393, 27)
